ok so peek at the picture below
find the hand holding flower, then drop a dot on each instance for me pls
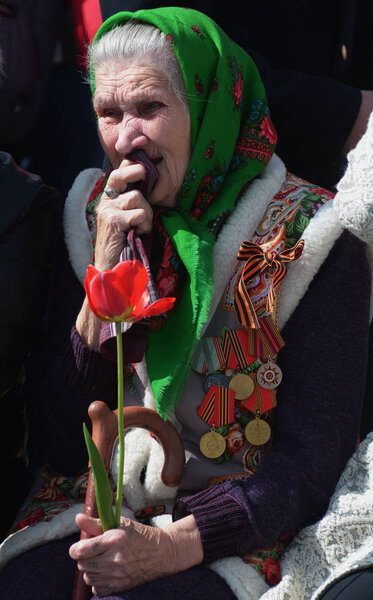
(134, 554)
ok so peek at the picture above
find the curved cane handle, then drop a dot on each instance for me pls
(104, 434)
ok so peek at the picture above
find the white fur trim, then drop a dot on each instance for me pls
(153, 485)
(77, 236)
(32, 536)
(137, 450)
(161, 521)
(244, 581)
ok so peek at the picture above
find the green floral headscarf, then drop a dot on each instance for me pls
(232, 141)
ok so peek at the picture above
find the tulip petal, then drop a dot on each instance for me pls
(121, 294)
(134, 277)
(90, 275)
(142, 303)
(158, 307)
(108, 297)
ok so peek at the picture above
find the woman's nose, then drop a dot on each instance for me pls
(129, 136)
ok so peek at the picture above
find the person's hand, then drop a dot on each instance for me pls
(114, 217)
(121, 559)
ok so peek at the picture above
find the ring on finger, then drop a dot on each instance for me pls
(111, 193)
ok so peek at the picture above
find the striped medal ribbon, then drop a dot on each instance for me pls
(217, 409)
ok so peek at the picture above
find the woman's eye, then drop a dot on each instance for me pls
(148, 108)
(110, 114)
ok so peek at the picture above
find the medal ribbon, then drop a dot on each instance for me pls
(241, 347)
(258, 261)
(213, 352)
(199, 363)
(237, 350)
(260, 401)
(271, 338)
(209, 356)
(217, 408)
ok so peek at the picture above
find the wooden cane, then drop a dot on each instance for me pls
(104, 434)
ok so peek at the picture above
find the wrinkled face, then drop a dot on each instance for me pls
(136, 110)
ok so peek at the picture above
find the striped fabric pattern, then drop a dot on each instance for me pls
(217, 408)
(258, 261)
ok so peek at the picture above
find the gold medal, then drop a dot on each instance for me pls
(212, 444)
(257, 432)
(242, 385)
(269, 375)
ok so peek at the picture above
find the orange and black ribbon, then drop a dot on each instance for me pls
(236, 349)
(217, 408)
(260, 401)
(258, 261)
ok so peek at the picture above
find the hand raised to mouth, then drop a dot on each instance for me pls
(147, 185)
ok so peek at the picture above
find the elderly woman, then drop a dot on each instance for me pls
(182, 117)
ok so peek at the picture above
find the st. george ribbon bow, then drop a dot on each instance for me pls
(258, 261)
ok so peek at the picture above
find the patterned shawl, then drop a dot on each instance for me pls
(232, 141)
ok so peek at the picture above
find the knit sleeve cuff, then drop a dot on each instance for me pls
(221, 521)
(85, 368)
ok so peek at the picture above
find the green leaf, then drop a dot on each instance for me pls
(223, 430)
(300, 224)
(103, 491)
(243, 420)
(288, 228)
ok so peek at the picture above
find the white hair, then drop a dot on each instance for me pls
(135, 41)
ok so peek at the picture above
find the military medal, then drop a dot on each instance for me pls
(269, 375)
(257, 431)
(242, 385)
(212, 444)
(217, 409)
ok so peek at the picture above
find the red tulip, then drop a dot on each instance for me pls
(121, 294)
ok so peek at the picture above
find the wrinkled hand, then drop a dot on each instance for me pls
(121, 559)
(114, 217)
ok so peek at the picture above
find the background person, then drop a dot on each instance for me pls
(29, 212)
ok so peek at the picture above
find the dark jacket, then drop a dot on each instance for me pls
(29, 212)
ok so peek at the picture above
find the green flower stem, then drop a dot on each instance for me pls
(118, 505)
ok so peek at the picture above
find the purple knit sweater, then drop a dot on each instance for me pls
(317, 418)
